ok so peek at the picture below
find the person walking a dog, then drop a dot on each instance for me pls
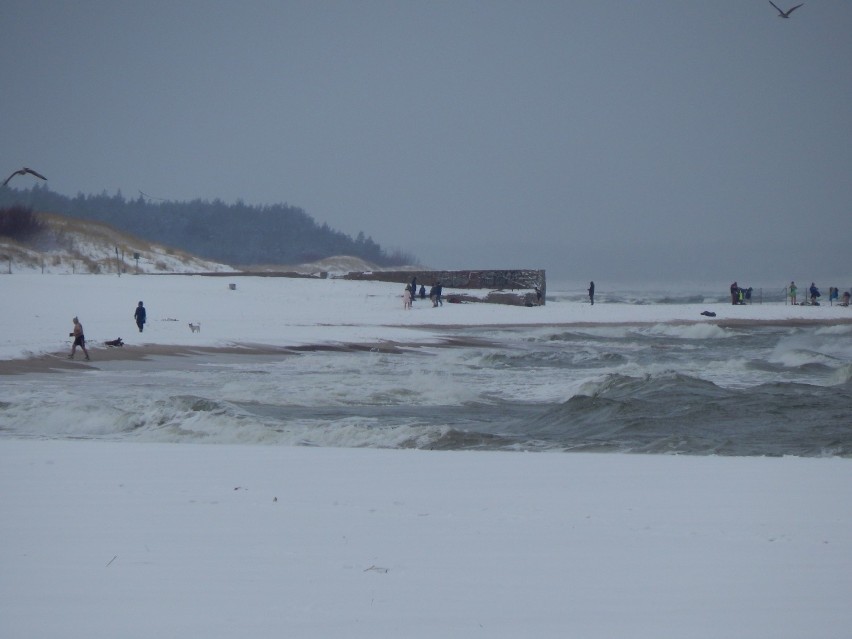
(140, 316)
(79, 339)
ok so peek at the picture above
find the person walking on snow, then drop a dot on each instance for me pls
(79, 339)
(140, 316)
(592, 293)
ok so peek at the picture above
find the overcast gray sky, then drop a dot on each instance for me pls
(606, 139)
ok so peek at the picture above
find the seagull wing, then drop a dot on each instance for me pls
(31, 172)
(794, 8)
(776, 7)
(14, 173)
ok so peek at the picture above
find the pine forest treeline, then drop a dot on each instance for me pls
(236, 234)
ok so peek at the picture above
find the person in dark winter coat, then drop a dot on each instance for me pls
(592, 293)
(141, 316)
(814, 292)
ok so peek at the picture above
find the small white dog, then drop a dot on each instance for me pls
(195, 328)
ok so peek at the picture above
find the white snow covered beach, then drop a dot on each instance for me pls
(140, 540)
(286, 312)
(129, 539)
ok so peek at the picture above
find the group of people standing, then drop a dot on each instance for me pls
(814, 294)
(411, 293)
(740, 295)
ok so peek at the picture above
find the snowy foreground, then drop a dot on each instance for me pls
(106, 540)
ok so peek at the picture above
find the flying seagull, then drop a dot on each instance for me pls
(784, 14)
(24, 171)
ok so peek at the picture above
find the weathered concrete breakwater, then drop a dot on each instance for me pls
(525, 287)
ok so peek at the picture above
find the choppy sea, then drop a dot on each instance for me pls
(681, 389)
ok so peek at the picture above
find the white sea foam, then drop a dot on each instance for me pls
(842, 375)
(793, 358)
(816, 347)
(835, 329)
(688, 331)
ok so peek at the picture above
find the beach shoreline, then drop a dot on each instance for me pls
(58, 361)
(281, 313)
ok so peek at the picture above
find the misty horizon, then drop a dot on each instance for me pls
(667, 141)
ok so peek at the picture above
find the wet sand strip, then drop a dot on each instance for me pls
(59, 362)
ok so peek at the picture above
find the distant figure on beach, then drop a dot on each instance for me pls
(439, 290)
(735, 293)
(793, 290)
(814, 293)
(845, 299)
(413, 287)
(592, 293)
(422, 292)
(406, 297)
(833, 293)
(140, 315)
(79, 339)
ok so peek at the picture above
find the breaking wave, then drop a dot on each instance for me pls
(692, 389)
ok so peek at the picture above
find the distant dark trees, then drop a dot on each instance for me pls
(19, 222)
(232, 233)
